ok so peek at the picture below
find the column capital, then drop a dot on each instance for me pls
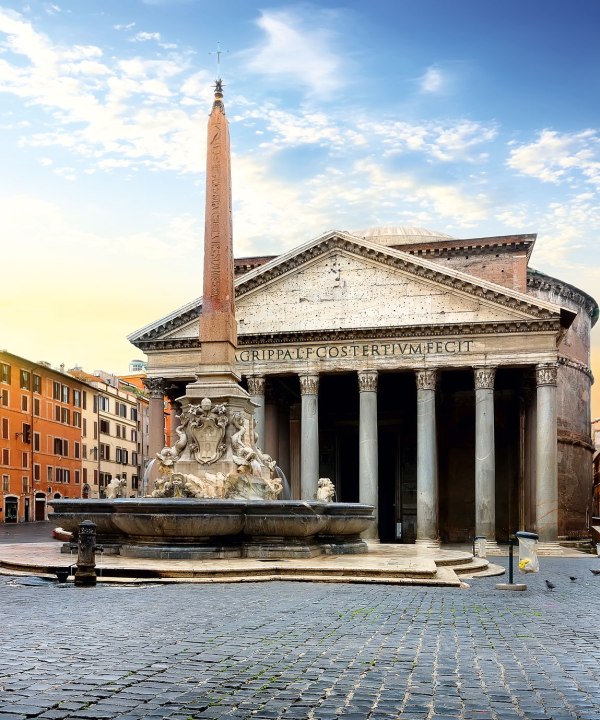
(484, 378)
(546, 374)
(256, 384)
(426, 379)
(156, 386)
(367, 380)
(309, 384)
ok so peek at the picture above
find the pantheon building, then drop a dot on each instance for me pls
(440, 379)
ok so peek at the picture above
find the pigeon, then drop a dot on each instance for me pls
(572, 578)
(594, 572)
(550, 585)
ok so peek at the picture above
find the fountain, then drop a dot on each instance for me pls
(217, 494)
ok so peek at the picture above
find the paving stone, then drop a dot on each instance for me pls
(293, 650)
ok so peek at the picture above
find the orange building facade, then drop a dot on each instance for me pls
(41, 437)
(68, 434)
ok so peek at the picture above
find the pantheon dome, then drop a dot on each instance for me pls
(400, 235)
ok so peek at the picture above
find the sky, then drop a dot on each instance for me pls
(470, 117)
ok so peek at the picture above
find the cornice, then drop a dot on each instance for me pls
(581, 367)
(392, 333)
(537, 280)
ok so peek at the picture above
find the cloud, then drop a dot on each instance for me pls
(145, 36)
(101, 108)
(559, 157)
(432, 81)
(298, 51)
(450, 142)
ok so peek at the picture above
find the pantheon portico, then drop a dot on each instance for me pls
(441, 380)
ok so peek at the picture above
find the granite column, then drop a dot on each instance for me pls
(309, 436)
(485, 457)
(546, 454)
(427, 475)
(368, 461)
(256, 390)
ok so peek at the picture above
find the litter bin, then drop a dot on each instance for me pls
(528, 558)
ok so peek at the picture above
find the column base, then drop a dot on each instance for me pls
(551, 547)
(492, 548)
(431, 543)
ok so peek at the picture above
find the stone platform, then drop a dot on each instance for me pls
(387, 564)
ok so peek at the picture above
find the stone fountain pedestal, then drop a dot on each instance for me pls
(195, 529)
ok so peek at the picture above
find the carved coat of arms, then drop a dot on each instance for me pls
(207, 427)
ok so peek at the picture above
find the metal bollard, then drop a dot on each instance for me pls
(86, 554)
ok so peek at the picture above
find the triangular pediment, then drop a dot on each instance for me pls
(341, 283)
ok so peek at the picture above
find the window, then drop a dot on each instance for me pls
(118, 430)
(103, 404)
(133, 435)
(5, 373)
(61, 447)
(57, 413)
(118, 455)
(84, 400)
(65, 416)
(4, 397)
(59, 475)
(133, 413)
(84, 425)
(25, 460)
(84, 452)
(56, 391)
(104, 452)
(25, 379)
(5, 429)
(5, 456)
(77, 448)
(49, 472)
(105, 427)
(37, 384)
(5, 483)
(122, 410)
(26, 433)
(84, 475)
(95, 430)
(77, 398)
(24, 403)
(36, 406)
(135, 482)
(94, 453)
(36, 442)
(77, 477)
(134, 458)
(76, 419)
(95, 477)
(25, 483)
(37, 472)
(65, 393)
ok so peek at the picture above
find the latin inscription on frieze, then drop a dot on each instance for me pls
(291, 353)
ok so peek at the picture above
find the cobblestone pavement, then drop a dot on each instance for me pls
(300, 650)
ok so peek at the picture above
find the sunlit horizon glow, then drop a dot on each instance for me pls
(459, 117)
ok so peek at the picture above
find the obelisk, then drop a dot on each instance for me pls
(215, 455)
(216, 375)
(218, 334)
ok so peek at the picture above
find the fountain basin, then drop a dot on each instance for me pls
(187, 528)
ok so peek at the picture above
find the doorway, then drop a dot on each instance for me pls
(11, 510)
